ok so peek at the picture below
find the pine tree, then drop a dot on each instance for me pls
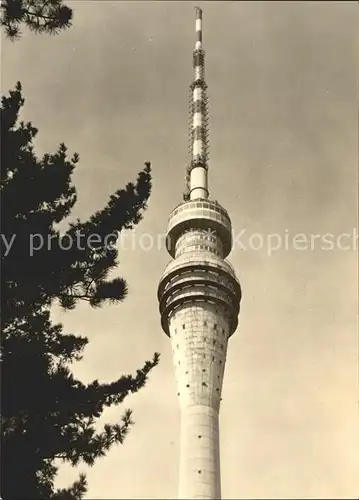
(46, 413)
(40, 16)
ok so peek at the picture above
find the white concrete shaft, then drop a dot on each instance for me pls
(199, 335)
(198, 193)
(199, 475)
(198, 183)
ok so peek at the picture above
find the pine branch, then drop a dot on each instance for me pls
(58, 419)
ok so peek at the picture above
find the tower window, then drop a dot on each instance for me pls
(221, 346)
(199, 472)
(183, 327)
(213, 358)
(214, 342)
(204, 384)
(215, 327)
(205, 323)
(199, 437)
(203, 369)
(187, 385)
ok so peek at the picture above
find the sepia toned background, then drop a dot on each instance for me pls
(282, 83)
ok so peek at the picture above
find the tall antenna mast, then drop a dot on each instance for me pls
(196, 179)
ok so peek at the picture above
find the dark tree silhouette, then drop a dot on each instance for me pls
(46, 413)
(40, 16)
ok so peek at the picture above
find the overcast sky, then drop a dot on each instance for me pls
(282, 83)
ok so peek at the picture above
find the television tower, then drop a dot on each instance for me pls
(199, 297)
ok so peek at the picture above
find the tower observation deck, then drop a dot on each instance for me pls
(199, 301)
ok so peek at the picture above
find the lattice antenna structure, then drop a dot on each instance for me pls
(198, 140)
